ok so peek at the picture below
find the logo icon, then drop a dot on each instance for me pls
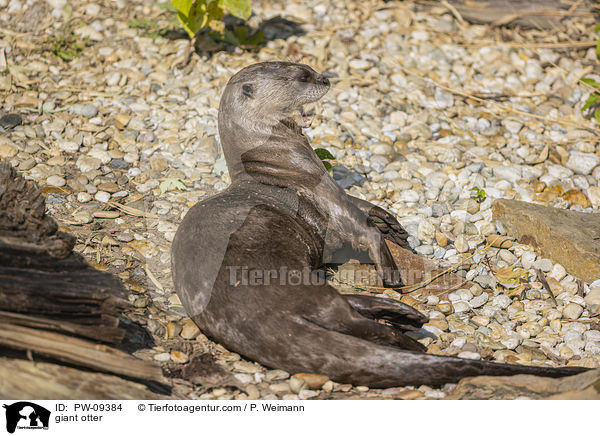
(26, 415)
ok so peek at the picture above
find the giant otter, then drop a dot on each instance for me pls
(246, 261)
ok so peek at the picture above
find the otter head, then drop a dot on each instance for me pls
(270, 91)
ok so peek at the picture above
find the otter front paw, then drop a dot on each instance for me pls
(388, 225)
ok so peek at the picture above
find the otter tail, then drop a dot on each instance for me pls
(349, 359)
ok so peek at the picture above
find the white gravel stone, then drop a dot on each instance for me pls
(86, 110)
(543, 264)
(461, 306)
(461, 244)
(102, 196)
(593, 348)
(572, 311)
(56, 181)
(83, 197)
(511, 341)
(469, 355)
(558, 272)
(501, 301)
(426, 232)
(582, 163)
(162, 357)
(68, 146)
(86, 163)
(511, 173)
(479, 301)
(527, 259)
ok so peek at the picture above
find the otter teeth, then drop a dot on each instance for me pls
(305, 118)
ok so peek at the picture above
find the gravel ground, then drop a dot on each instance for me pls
(424, 108)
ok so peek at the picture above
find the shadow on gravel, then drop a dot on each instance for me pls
(240, 34)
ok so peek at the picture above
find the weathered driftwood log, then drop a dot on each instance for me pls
(47, 381)
(41, 279)
(78, 352)
(536, 14)
(52, 302)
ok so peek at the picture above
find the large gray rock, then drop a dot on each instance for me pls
(584, 386)
(567, 237)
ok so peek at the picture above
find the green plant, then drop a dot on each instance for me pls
(325, 157)
(150, 28)
(67, 46)
(240, 36)
(594, 98)
(171, 185)
(194, 15)
(479, 194)
(593, 101)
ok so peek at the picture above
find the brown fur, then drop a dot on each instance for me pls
(284, 212)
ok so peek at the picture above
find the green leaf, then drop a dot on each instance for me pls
(196, 20)
(215, 11)
(183, 6)
(238, 8)
(593, 98)
(597, 28)
(185, 23)
(229, 37)
(597, 115)
(167, 6)
(598, 50)
(241, 33)
(323, 153)
(171, 185)
(480, 194)
(257, 38)
(591, 82)
(328, 166)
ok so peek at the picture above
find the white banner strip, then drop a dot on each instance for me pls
(193, 418)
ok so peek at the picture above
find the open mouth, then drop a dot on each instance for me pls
(306, 117)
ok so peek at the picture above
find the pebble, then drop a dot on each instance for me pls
(461, 306)
(179, 357)
(582, 163)
(102, 196)
(313, 381)
(86, 110)
(83, 197)
(9, 121)
(245, 367)
(461, 244)
(68, 146)
(424, 250)
(162, 357)
(85, 163)
(572, 311)
(543, 264)
(82, 217)
(486, 281)
(276, 374)
(297, 384)
(56, 181)
(469, 355)
(501, 301)
(479, 301)
(527, 259)
(189, 330)
(510, 173)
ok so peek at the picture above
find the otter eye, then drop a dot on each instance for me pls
(305, 76)
(247, 90)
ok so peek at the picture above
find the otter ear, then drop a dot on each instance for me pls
(248, 90)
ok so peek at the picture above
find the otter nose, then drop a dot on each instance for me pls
(323, 80)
